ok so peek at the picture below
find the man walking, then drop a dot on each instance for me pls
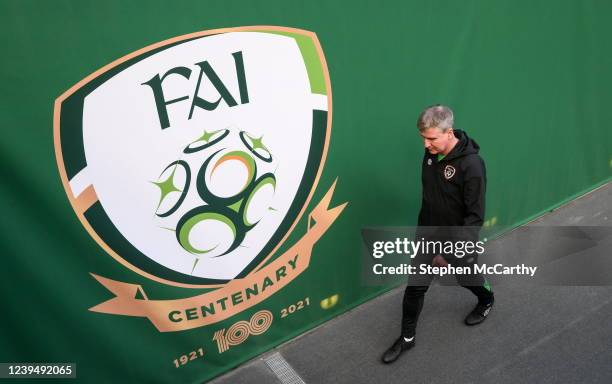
(454, 184)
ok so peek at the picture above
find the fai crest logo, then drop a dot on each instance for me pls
(449, 172)
(192, 160)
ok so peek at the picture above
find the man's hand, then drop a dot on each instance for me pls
(439, 261)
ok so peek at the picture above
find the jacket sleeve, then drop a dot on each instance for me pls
(474, 189)
(421, 219)
(420, 231)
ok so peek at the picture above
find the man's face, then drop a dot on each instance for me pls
(436, 141)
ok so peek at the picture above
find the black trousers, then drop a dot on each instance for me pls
(414, 295)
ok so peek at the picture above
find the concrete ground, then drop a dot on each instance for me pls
(537, 334)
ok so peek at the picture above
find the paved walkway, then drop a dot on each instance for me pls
(542, 334)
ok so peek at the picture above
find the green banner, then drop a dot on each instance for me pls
(184, 184)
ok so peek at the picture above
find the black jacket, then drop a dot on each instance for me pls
(454, 188)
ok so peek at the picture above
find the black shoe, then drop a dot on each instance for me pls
(396, 350)
(479, 314)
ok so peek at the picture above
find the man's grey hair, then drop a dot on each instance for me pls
(436, 116)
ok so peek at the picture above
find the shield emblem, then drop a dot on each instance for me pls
(191, 161)
(449, 171)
